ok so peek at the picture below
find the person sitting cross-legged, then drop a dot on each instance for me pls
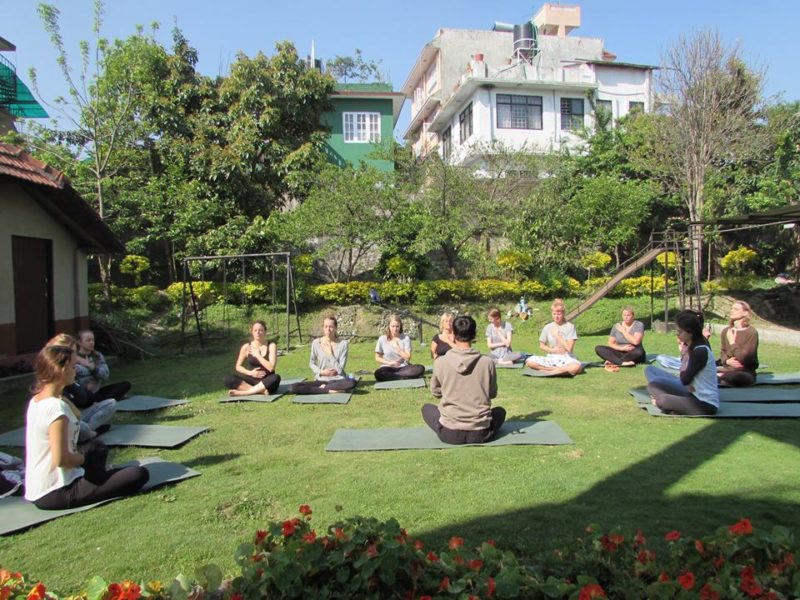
(465, 382)
(328, 361)
(624, 342)
(558, 340)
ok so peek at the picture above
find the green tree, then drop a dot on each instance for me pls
(354, 68)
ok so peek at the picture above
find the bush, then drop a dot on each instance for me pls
(366, 558)
(739, 262)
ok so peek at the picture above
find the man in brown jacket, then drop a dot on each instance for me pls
(465, 381)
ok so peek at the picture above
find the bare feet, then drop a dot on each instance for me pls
(653, 401)
(628, 363)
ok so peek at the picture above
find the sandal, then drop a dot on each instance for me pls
(611, 368)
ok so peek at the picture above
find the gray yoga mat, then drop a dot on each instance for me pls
(759, 395)
(778, 378)
(153, 436)
(740, 410)
(146, 403)
(400, 384)
(338, 398)
(283, 389)
(15, 437)
(17, 513)
(534, 373)
(517, 365)
(512, 433)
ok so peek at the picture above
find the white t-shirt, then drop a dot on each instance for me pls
(567, 330)
(388, 349)
(41, 477)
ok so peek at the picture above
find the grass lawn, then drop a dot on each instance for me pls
(261, 461)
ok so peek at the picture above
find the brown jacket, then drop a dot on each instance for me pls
(466, 382)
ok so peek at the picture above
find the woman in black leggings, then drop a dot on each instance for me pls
(57, 475)
(255, 365)
(393, 352)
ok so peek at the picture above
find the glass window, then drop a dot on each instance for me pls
(519, 112)
(447, 144)
(635, 107)
(571, 114)
(465, 123)
(362, 127)
(604, 106)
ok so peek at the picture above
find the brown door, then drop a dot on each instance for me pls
(33, 291)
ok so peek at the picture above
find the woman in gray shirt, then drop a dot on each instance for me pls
(328, 361)
(393, 352)
(624, 342)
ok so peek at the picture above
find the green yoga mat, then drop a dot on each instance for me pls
(283, 389)
(760, 395)
(517, 365)
(400, 384)
(152, 436)
(338, 398)
(740, 410)
(146, 403)
(512, 433)
(16, 513)
(777, 378)
(15, 438)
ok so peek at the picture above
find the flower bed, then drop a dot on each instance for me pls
(366, 558)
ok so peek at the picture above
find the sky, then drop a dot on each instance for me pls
(637, 31)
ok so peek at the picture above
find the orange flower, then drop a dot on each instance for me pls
(38, 592)
(455, 542)
(743, 527)
(418, 544)
(663, 577)
(6, 575)
(490, 587)
(339, 533)
(708, 593)
(475, 564)
(261, 535)
(372, 551)
(673, 536)
(590, 591)
(687, 580)
(310, 537)
(127, 590)
(305, 510)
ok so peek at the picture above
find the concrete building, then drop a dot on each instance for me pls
(527, 87)
(363, 118)
(16, 99)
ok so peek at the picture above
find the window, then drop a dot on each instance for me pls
(465, 123)
(571, 114)
(519, 112)
(604, 106)
(447, 144)
(635, 107)
(362, 127)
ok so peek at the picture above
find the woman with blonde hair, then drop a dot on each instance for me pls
(738, 357)
(57, 475)
(393, 352)
(558, 341)
(328, 362)
(255, 365)
(445, 339)
(624, 342)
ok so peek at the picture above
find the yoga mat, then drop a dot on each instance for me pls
(534, 373)
(727, 395)
(17, 513)
(517, 365)
(741, 410)
(283, 388)
(777, 378)
(400, 384)
(512, 433)
(153, 436)
(146, 403)
(253, 398)
(338, 398)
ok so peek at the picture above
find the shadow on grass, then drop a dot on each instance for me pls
(211, 459)
(534, 416)
(620, 500)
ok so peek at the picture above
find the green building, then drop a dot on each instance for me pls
(363, 118)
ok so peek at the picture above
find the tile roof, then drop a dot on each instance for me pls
(17, 163)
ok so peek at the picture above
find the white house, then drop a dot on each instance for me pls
(529, 86)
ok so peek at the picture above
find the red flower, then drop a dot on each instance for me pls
(663, 577)
(372, 551)
(490, 587)
(445, 584)
(261, 535)
(289, 527)
(749, 585)
(673, 536)
(475, 564)
(425, 598)
(687, 580)
(236, 597)
(743, 527)
(456, 542)
(5, 592)
(611, 542)
(432, 557)
(718, 562)
(698, 545)
(258, 557)
(38, 592)
(491, 543)
(305, 510)
(708, 593)
(418, 544)
(310, 537)
(127, 590)
(639, 539)
(458, 560)
(339, 533)
(645, 556)
(591, 590)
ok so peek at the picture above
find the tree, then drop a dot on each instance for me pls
(711, 101)
(355, 68)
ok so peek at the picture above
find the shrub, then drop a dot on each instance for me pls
(135, 265)
(514, 263)
(739, 261)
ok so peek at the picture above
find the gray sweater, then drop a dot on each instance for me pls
(466, 382)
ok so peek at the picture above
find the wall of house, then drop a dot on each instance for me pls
(622, 86)
(21, 214)
(339, 151)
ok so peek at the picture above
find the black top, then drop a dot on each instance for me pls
(441, 346)
(698, 357)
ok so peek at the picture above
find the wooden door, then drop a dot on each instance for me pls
(33, 291)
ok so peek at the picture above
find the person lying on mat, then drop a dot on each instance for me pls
(255, 365)
(738, 356)
(96, 415)
(498, 339)
(328, 361)
(558, 341)
(695, 392)
(465, 382)
(444, 340)
(57, 475)
(92, 370)
(624, 342)
(393, 352)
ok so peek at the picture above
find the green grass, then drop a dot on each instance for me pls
(261, 461)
